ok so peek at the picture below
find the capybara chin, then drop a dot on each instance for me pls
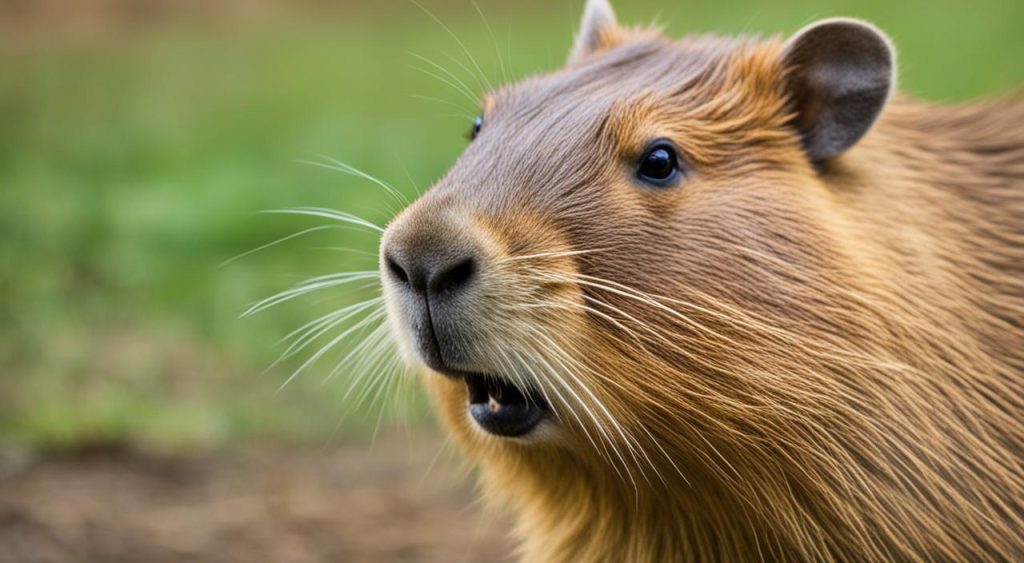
(729, 299)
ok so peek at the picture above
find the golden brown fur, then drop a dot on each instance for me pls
(780, 362)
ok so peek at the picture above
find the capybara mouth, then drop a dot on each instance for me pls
(502, 409)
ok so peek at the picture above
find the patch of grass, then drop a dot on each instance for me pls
(133, 165)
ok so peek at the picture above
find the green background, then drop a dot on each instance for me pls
(139, 143)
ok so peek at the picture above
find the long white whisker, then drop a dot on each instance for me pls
(314, 329)
(558, 254)
(555, 377)
(276, 242)
(561, 399)
(389, 390)
(512, 373)
(468, 70)
(600, 445)
(369, 365)
(329, 214)
(736, 319)
(348, 249)
(327, 347)
(462, 45)
(313, 284)
(373, 347)
(336, 165)
(569, 305)
(606, 440)
(311, 331)
(494, 39)
(370, 342)
(440, 101)
(456, 87)
(627, 438)
(457, 81)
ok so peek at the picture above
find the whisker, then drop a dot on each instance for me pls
(462, 45)
(348, 249)
(412, 182)
(569, 305)
(468, 70)
(276, 242)
(447, 73)
(388, 390)
(368, 368)
(327, 347)
(494, 40)
(329, 214)
(733, 317)
(336, 165)
(627, 438)
(308, 286)
(554, 375)
(437, 100)
(366, 379)
(469, 95)
(546, 255)
(665, 454)
(322, 325)
(369, 343)
(545, 389)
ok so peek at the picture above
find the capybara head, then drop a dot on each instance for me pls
(646, 282)
(599, 249)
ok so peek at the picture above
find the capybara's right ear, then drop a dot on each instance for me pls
(839, 74)
(598, 29)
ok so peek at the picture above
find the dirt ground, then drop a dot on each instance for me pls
(396, 500)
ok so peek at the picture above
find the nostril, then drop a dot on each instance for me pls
(462, 271)
(454, 277)
(397, 270)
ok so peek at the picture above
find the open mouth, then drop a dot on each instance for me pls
(502, 409)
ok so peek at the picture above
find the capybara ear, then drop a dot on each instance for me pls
(839, 73)
(598, 29)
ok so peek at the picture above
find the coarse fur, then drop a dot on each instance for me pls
(778, 359)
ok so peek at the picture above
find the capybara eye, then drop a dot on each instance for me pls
(478, 124)
(660, 165)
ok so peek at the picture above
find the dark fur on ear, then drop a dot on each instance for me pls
(839, 76)
(596, 29)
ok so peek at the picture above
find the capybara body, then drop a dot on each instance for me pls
(719, 299)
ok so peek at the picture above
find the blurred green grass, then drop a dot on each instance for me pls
(133, 164)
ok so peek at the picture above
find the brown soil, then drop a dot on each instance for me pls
(392, 501)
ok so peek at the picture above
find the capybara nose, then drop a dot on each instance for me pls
(433, 260)
(432, 273)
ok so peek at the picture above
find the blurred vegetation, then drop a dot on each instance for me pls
(137, 150)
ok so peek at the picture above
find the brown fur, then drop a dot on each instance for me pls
(783, 363)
